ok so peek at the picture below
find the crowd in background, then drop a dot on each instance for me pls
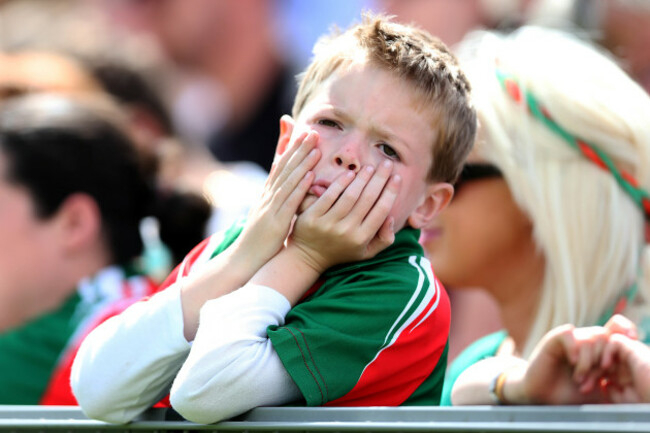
(197, 88)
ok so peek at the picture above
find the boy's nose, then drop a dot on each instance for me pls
(348, 157)
(350, 165)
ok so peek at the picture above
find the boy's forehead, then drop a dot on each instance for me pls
(346, 83)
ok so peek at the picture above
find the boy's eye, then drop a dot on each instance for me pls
(328, 122)
(388, 151)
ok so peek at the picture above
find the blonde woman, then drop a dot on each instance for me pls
(550, 212)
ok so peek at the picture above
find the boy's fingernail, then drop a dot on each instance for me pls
(349, 174)
(369, 168)
(387, 163)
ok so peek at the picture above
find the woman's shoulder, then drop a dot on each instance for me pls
(482, 348)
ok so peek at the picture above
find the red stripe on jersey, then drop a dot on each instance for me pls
(399, 369)
(183, 269)
(127, 291)
(313, 289)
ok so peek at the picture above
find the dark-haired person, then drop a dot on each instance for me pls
(73, 192)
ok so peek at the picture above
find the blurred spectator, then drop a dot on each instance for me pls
(245, 82)
(179, 166)
(148, 125)
(73, 192)
(139, 78)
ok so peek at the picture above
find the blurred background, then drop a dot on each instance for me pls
(203, 83)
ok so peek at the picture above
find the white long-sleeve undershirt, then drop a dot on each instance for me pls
(129, 362)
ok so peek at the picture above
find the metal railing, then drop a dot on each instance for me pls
(588, 418)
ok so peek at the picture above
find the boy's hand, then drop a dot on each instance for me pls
(265, 232)
(269, 222)
(350, 221)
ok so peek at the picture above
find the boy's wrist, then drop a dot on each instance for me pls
(244, 260)
(289, 272)
(306, 258)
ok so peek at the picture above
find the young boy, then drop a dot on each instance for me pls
(381, 126)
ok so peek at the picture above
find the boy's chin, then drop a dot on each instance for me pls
(306, 202)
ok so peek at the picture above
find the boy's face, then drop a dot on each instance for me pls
(364, 115)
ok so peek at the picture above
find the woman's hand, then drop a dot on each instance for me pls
(586, 365)
(626, 362)
(564, 368)
(568, 366)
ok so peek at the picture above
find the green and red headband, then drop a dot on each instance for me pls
(629, 184)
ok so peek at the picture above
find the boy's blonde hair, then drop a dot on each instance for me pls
(416, 57)
(589, 229)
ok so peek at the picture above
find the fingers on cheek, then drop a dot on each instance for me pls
(303, 185)
(311, 138)
(300, 138)
(314, 156)
(387, 230)
(347, 178)
(395, 183)
(389, 195)
(341, 184)
(385, 168)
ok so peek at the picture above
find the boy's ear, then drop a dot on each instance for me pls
(286, 129)
(438, 196)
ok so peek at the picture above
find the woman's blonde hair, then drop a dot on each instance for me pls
(588, 228)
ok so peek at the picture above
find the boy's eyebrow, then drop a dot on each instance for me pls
(385, 135)
(375, 130)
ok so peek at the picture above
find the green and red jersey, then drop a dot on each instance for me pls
(370, 333)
